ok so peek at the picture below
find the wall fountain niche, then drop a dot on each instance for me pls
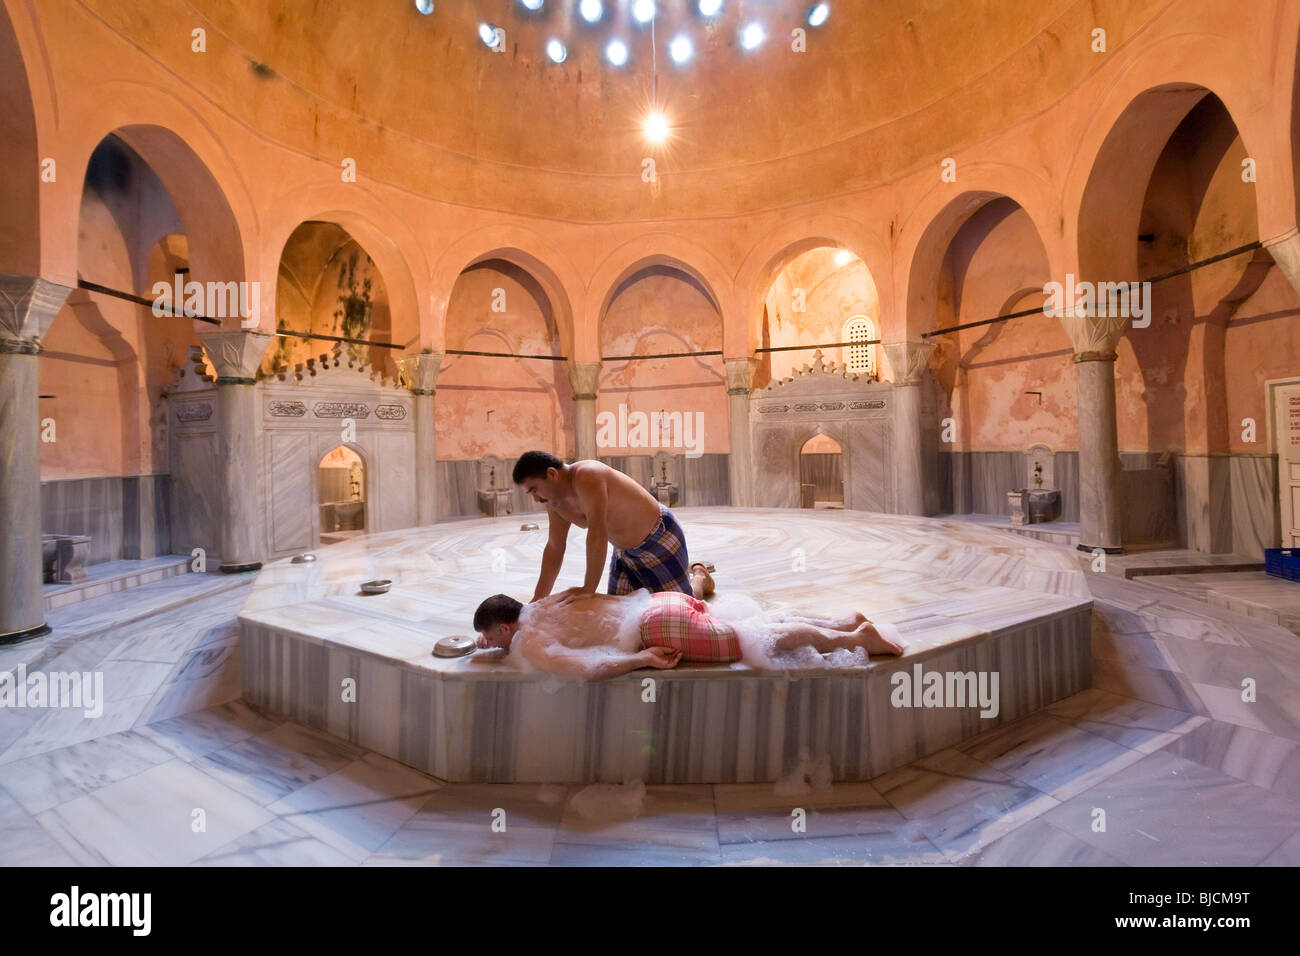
(1038, 501)
(850, 411)
(821, 473)
(340, 490)
(494, 480)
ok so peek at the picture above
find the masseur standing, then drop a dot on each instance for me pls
(649, 544)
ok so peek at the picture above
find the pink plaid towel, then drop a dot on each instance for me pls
(679, 621)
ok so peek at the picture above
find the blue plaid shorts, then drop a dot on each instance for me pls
(659, 563)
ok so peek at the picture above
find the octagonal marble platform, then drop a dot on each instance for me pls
(964, 598)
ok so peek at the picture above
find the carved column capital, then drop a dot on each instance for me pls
(1285, 250)
(908, 361)
(1093, 333)
(28, 304)
(235, 354)
(585, 379)
(740, 375)
(420, 372)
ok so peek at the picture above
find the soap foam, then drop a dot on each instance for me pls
(758, 641)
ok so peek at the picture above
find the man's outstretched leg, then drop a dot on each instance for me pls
(795, 634)
(850, 622)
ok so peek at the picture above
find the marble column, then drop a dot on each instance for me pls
(908, 362)
(235, 355)
(1099, 467)
(585, 379)
(28, 305)
(740, 467)
(420, 373)
(1094, 339)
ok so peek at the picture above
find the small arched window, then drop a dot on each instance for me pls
(859, 359)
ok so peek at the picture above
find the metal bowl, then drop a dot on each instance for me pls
(528, 526)
(305, 558)
(454, 646)
(376, 587)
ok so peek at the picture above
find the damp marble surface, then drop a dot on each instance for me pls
(962, 597)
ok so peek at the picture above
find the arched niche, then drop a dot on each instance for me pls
(821, 472)
(341, 494)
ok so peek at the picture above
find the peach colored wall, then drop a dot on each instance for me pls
(494, 406)
(831, 295)
(659, 312)
(1021, 104)
(995, 265)
(107, 360)
(1263, 342)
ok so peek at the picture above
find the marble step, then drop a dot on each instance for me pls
(1066, 537)
(113, 576)
(77, 623)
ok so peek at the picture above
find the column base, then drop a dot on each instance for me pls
(240, 568)
(1091, 548)
(30, 634)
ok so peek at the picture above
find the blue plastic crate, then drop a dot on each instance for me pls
(1283, 562)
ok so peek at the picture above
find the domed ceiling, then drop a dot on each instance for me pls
(423, 103)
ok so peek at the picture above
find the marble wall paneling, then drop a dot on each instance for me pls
(706, 480)
(945, 482)
(1256, 521)
(89, 506)
(145, 531)
(1066, 467)
(776, 467)
(1150, 511)
(395, 479)
(195, 492)
(1203, 502)
(457, 489)
(291, 491)
(868, 480)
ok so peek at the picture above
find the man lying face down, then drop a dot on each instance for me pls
(604, 635)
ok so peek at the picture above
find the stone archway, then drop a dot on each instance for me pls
(821, 472)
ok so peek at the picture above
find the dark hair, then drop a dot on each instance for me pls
(498, 609)
(533, 464)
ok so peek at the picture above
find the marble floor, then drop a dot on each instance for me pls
(1186, 772)
(1252, 593)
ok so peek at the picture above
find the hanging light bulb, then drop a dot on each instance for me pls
(656, 126)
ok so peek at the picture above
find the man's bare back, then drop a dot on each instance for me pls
(649, 545)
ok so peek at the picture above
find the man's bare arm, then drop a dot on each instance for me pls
(590, 488)
(553, 555)
(591, 664)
